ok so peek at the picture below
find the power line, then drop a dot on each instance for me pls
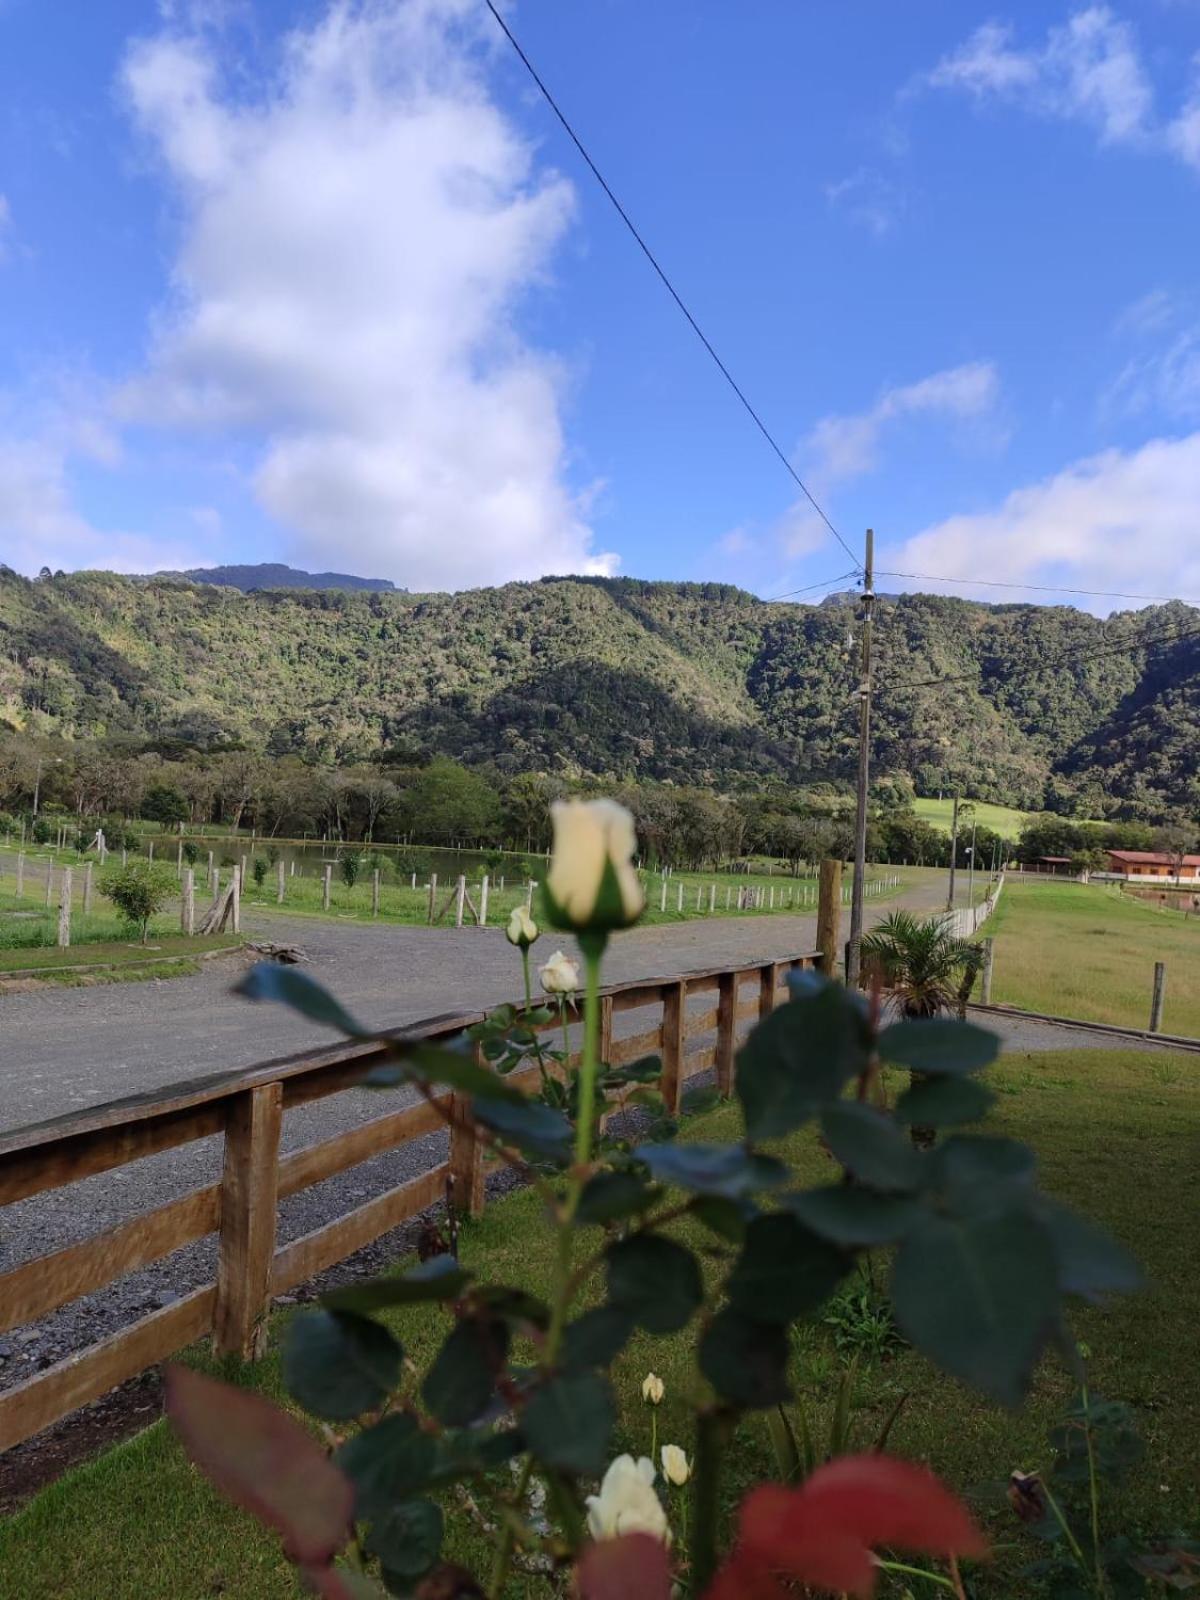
(825, 583)
(1089, 650)
(667, 284)
(1039, 588)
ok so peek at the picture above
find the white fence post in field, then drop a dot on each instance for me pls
(49, 883)
(280, 880)
(64, 910)
(460, 895)
(326, 885)
(483, 900)
(236, 900)
(662, 903)
(375, 892)
(20, 874)
(187, 910)
(679, 898)
(712, 898)
(87, 890)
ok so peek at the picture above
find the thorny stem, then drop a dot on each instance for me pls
(1072, 1541)
(918, 1572)
(1093, 1486)
(706, 1493)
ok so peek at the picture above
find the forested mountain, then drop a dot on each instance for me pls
(698, 683)
(275, 575)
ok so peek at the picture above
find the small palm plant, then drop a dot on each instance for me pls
(927, 969)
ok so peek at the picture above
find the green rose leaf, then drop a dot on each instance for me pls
(979, 1173)
(613, 1196)
(1090, 1263)
(943, 1103)
(746, 1361)
(471, 1450)
(799, 1058)
(870, 1146)
(656, 1280)
(407, 1541)
(459, 1385)
(646, 1069)
(439, 1278)
(437, 1064)
(784, 1270)
(569, 1423)
(338, 1365)
(979, 1296)
(266, 980)
(596, 1338)
(515, 1306)
(533, 1127)
(728, 1219)
(853, 1217)
(386, 1463)
(939, 1045)
(730, 1171)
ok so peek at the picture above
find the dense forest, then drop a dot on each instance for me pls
(1040, 707)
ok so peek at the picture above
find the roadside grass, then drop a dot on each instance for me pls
(158, 952)
(1087, 951)
(1003, 820)
(1114, 1139)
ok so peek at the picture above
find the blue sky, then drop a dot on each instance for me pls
(327, 284)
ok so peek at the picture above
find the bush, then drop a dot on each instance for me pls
(191, 852)
(164, 804)
(258, 870)
(139, 891)
(350, 865)
(42, 831)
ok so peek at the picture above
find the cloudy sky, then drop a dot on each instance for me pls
(325, 283)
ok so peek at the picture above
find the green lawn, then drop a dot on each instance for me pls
(1115, 1132)
(1085, 950)
(1001, 819)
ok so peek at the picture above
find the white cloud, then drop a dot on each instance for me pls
(355, 246)
(1120, 520)
(1087, 69)
(1183, 132)
(869, 199)
(1149, 313)
(843, 447)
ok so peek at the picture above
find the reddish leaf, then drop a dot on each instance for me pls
(634, 1567)
(824, 1532)
(263, 1460)
(742, 1578)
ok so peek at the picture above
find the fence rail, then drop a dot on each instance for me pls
(247, 1109)
(967, 920)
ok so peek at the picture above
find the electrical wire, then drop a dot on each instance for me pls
(825, 583)
(1038, 588)
(666, 282)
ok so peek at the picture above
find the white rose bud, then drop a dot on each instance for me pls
(675, 1465)
(627, 1502)
(653, 1389)
(522, 930)
(560, 975)
(592, 883)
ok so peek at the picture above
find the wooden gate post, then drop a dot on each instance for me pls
(829, 916)
(187, 911)
(64, 910)
(727, 993)
(674, 998)
(249, 1197)
(989, 959)
(1160, 995)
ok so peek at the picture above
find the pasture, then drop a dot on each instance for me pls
(1087, 951)
(145, 1520)
(1003, 820)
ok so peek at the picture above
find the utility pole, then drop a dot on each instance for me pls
(854, 945)
(953, 855)
(971, 875)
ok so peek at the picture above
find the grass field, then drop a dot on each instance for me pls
(1086, 951)
(1001, 819)
(1115, 1133)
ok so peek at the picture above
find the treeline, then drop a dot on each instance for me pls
(615, 680)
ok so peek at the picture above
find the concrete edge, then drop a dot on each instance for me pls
(1172, 1041)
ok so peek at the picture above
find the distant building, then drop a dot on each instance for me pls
(1152, 864)
(1055, 865)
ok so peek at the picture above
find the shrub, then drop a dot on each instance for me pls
(350, 865)
(139, 891)
(191, 852)
(258, 870)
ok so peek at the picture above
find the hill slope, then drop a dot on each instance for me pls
(695, 682)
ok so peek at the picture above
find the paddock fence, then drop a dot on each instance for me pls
(247, 1108)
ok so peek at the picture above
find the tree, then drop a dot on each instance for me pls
(445, 800)
(164, 803)
(139, 891)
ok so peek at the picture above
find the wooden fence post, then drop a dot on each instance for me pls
(375, 892)
(606, 1028)
(49, 883)
(460, 895)
(235, 901)
(212, 871)
(179, 860)
(466, 1157)
(768, 977)
(432, 894)
(679, 898)
(989, 958)
(20, 874)
(87, 890)
(150, 851)
(64, 910)
(249, 1197)
(187, 911)
(326, 885)
(674, 998)
(483, 900)
(280, 880)
(727, 993)
(662, 903)
(829, 916)
(1160, 995)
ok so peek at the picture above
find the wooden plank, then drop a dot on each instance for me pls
(699, 1061)
(316, 1162)
(768, 978)
(707, 983)
(60, 1161)
(606, 1030)
(72, 1382)
(726, 1031)
(635, 1046)
(700, 1021)
(637, 995)
(313, 1252)
(249, 1202)
(47, 1282)
(747, 1008)
(672, 1044)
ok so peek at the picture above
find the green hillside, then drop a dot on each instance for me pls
(695, 683)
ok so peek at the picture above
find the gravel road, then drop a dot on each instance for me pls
(67, 1049)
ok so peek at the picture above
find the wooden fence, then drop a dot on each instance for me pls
(247, 1108)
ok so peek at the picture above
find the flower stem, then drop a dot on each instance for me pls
(706, 1495)
(917, 1572)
